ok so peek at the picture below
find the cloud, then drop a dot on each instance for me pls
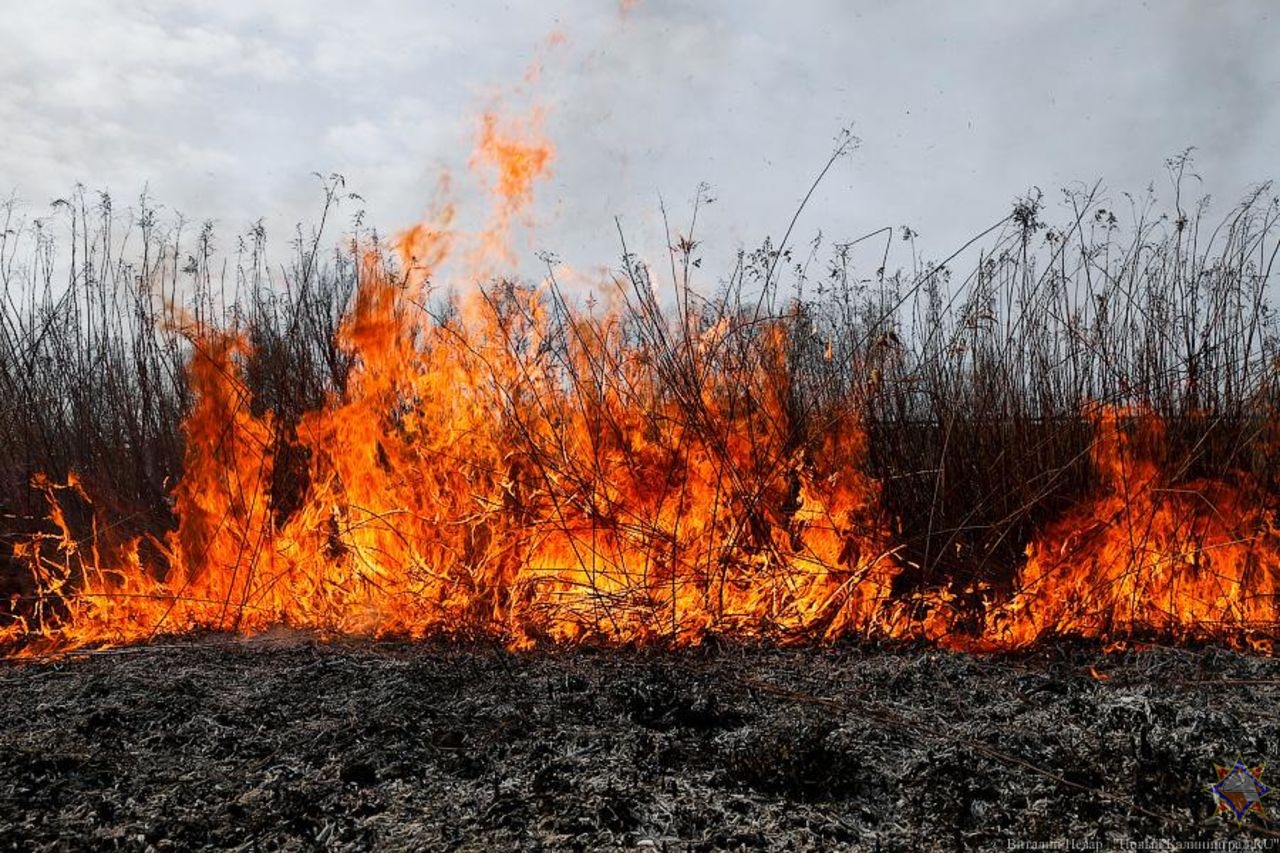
(358, 141)
(126, 55)
(226, 109)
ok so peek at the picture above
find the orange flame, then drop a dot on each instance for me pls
(526, 471)
(1192, 559)
(515, 152)
(462, 486)
(474, 479)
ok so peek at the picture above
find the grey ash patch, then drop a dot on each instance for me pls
(302, 745)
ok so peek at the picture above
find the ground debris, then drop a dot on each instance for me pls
(210, 743)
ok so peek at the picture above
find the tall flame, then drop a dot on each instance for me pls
(526, 471)
(471, 479)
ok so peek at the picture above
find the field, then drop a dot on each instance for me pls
(815, 552)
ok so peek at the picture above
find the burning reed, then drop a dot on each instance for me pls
(1078, 438)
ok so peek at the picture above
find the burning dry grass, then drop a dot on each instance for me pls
(1077, 438)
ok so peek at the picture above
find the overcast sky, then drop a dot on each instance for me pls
(225, 109)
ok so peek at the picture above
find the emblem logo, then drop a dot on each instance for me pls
(1239, 790)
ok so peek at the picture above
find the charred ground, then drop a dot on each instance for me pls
(286, 742)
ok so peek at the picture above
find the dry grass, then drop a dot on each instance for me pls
(970, 384)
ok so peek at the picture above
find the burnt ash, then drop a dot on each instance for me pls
(288, 742)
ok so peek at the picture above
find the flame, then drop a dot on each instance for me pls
(527, 471)
(1148, 555)
(540, 475)
(508, 472)
(465, 486)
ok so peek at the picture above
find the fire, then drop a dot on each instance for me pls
(518, 163)
(1149, 555)
(524, 470)
(518, 156)
(519, 470)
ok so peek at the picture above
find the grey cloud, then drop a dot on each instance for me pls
(226, 109)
